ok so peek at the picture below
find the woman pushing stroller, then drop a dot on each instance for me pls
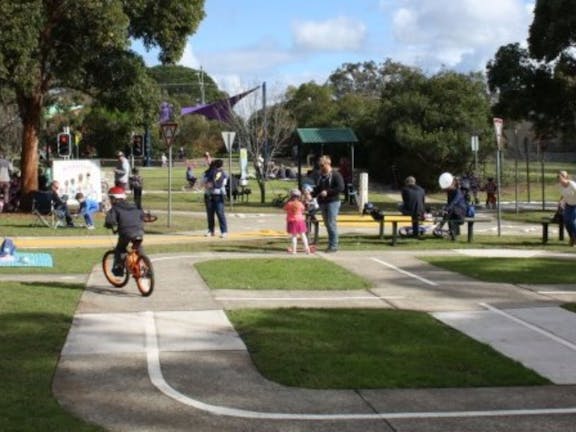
(454, 212)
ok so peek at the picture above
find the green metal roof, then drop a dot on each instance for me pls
(326, 135)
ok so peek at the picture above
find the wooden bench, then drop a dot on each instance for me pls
(469, 221)
(546, 223)
(394, 219)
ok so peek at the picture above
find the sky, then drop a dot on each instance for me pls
(242, 43)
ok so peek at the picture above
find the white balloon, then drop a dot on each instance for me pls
(445, 180)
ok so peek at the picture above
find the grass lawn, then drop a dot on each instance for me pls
(342, 349)
(510, 270)
(278, 274)
(34, 321)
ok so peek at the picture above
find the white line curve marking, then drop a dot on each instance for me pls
(157, 379)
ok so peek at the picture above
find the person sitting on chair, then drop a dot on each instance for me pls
(60, 204)
(128, 220)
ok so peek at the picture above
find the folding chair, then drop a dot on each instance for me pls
(43, 208)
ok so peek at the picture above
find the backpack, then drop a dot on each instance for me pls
(135, 182)
(470, 210)
(8, 248)
(219, 179)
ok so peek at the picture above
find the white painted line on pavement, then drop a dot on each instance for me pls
(336, 299)
(157, 379)
(556, 292)
(176, 257)
(532, 327)
(399, 270)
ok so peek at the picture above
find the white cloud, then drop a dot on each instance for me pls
(459, 34)
(338, 34)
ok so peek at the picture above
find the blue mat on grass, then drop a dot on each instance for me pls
(25, 259)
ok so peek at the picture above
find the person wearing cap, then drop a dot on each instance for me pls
(121, 171)
(568, 204)
(296, 221)
(413, 203)
(128, 221)
(329, 186)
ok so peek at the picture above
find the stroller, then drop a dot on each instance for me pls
(439, 230)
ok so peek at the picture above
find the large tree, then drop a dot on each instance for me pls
(84, 45)
(425, 123)
(553, 31)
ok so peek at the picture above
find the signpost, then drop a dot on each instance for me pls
(228, 138)
(168, 133)
(474, 144)
(498, 125)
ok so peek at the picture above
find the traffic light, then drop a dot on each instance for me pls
(64, 144)
(138, 145)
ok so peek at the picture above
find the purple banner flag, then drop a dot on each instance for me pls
(220, 110)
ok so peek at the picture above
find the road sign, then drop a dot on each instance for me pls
(498, 124)
(474, 143)
(228, 138)
(169, 132)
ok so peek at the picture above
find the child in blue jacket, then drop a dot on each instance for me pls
(87, 208)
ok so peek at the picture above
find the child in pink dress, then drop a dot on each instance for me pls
(296, 221)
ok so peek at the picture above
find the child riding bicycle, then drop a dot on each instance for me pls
(127, 220)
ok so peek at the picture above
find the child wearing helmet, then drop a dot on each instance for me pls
(128, 220)
(296, 221)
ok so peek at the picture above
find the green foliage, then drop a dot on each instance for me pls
(83, 45)
(426, 122)
(539, 84)
(553, 29)
(312, 105)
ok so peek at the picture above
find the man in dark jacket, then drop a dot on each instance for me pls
(60, 203)
(413, 203)
(129, 221)
(329, 186)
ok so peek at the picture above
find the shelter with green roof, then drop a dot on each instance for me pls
(322, 138)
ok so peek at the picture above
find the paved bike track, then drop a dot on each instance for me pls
(172, 362)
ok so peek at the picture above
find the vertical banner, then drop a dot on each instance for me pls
(243, 163)
(498, 125)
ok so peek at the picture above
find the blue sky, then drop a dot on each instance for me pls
(241, 43)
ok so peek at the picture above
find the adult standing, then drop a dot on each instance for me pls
(6, 169)
(329, 186)
(455, 209)
(121, 171)
(413, 203)
(568, 204)
(215, 181)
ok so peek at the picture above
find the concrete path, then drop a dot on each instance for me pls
(173, 362)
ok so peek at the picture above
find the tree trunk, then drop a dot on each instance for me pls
(30, 111)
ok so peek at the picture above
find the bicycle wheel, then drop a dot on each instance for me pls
(144, 275)
(107, 265)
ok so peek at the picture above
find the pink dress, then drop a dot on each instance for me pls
(295, 220)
